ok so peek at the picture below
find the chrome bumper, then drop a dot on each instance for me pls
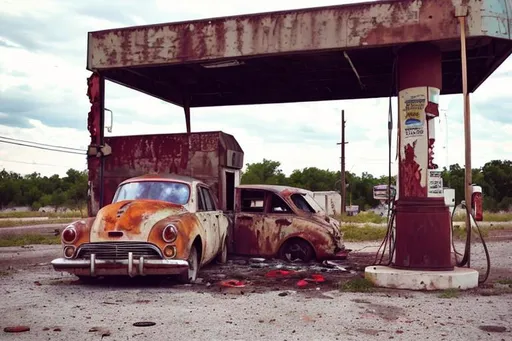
(131, 267)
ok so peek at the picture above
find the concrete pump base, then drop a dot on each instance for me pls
(388, 277)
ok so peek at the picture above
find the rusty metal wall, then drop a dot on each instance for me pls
(198, 155)
(368, 24)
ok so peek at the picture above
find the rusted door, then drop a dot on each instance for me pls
(258, 221)
(249, 217)
(209, 219)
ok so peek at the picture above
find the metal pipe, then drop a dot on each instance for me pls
(130, 264)
(93, 264)
(467, 130)
(102, 137)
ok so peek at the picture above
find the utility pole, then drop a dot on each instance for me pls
(343, 181)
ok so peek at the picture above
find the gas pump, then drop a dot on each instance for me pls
(476, 203)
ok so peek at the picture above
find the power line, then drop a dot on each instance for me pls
(41, 144)
(33, 163)
(44, 148)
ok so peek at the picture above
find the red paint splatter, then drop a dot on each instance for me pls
(410, 174)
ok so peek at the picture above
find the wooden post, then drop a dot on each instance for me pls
(467, 127)
(343, 185)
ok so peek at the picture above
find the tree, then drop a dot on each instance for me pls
(313, 179)
(265, 172)
(76, 194)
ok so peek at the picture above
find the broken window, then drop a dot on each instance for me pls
(200, 201)
(305, 203)
(252, 200)
(278, 205)
(208, 200)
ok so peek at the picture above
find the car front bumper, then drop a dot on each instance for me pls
(131, 266)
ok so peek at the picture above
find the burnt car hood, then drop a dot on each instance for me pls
(132, 219)
(328, 222)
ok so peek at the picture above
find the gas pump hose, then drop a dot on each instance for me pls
(467, 249)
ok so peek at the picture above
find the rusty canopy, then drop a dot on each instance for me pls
(325, 53)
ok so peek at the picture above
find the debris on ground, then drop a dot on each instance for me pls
(16, 329)
(144, 324)
(232, 283)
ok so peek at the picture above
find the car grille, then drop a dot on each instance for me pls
(119, 250)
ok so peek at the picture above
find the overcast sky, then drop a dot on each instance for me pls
(43, 96)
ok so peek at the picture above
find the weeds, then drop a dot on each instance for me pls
(28, 239)
(31, 214)
(450, 293)
(460, 232)
(363, 217)
(357, 285)
(352, 233)
(505, 282)
(14, 222)
(488, 216)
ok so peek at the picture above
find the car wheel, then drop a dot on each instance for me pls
(222, 257)
(191, 274)
(297, 249)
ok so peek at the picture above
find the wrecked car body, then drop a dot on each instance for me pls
(155, 225)
(284, 222)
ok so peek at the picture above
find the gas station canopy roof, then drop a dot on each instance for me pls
(314, 54)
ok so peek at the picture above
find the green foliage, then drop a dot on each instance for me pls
(450, 293)
(495, 178)
(363, 217)
(265, 172)
(18, 222)
(37, 191)
(488, 216)
(57, 215)
(353, 233)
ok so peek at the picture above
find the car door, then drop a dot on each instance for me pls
(209, 219)
(278, 223)
(249, 217)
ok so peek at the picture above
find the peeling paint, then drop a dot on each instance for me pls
(322, 28)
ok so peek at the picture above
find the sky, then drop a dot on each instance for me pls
(43, 97)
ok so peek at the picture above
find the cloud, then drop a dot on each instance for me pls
(43, 97)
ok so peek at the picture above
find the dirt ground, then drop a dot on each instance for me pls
(56, 306)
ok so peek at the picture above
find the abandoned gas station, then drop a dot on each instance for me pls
(412, 49)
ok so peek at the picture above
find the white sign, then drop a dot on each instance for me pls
(435, 184)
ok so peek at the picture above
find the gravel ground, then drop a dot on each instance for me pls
(58, 307)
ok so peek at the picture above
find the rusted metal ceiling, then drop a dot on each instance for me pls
(299, 55)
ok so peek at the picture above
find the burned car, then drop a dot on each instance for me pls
(155, 225)
(284, 222)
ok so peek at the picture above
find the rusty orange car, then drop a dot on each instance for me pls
(284, 222)
(155, 225)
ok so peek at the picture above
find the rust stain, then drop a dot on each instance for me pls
(188, 229)
(83, 228)
(197, 155)
(129, 216)
(93, 125)
(341, 26)
(263, 234)
(93, 118)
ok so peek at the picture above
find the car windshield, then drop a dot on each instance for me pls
(174, 192)
(306, 203)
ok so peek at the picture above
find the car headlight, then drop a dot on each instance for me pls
(170, 233)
